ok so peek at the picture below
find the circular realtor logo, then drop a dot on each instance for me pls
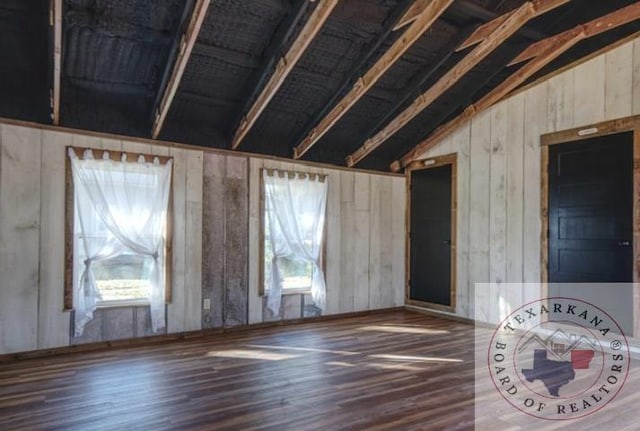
(558, 358)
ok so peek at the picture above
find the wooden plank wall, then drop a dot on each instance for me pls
(225, 238)
(32, 214)
(365, 243)
(499, 174)
(19, 238)
(215, 242)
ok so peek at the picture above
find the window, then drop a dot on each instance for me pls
(117, 212)
(124, 278)
(296, 274)
(293, 227)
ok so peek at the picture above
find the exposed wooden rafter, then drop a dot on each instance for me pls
(372, 49)
(56, 20)
(418, 82)
(186, 47)
(475, 11)
(539, 55)
(284, 67)
(412, 13)
(264, 68)
(506, 26)
(484, 31)
(420, 24)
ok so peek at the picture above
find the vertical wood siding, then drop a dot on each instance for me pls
(215, 242)
(499, 173)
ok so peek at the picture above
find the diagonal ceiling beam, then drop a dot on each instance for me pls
(546, 51)
(508, 25)
(473, 10)
(284, 67)
(418, 82)
(56, 21)
(186, 47)
(271, 56)
(484, 31)
(412, 13)
(468, 9)
(421, 24)
(399, 11)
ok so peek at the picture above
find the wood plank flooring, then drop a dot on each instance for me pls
(389, 371)
(340, 374)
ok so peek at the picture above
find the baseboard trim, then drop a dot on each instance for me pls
(440, 313)
(189, 335)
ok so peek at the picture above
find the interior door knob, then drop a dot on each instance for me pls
(624, 243)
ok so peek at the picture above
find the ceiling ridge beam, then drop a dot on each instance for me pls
(514, 21)
(417, 28)
(284, 67)
(56, 22)
(187, 42)
(548, 50)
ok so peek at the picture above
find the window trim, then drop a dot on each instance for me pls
(70, 226)
(261, 235)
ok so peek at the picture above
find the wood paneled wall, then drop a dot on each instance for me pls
(499, 221)
(215, 242)
(365, 243)
(32, 214)
(225, 238)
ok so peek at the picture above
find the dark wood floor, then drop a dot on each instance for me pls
(380, 372)
(391, 371)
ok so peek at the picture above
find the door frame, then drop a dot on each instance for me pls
(433, 162)
(612, 127)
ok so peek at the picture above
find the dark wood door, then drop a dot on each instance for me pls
(430, 235)
(591, 210)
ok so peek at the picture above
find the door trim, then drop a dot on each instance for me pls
(612, 127)
(433, 162)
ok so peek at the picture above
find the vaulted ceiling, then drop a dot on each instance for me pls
(357, 82)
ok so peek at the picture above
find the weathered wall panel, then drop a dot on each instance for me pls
(213, 239)
(236, 242)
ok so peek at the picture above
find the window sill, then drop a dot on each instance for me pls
(290, 292)
(303, 291)
(123, 303)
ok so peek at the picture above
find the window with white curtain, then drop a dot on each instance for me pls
(293, 222)
(119, 233)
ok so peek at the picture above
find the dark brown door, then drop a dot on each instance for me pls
(430, 235)
(591, 210)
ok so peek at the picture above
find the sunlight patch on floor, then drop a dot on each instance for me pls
(414, 358)
(251, 354)
(403, 329)
(303, 349)
(341, 364)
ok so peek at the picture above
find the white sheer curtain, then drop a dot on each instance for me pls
(120, 207)
(297, 207)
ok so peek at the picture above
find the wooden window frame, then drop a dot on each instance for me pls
(70, 226)
(261, 236)
(433, 162)
(611, 127)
